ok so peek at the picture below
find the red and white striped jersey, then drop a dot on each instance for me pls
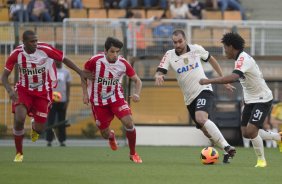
(107, 88)
(37, 71)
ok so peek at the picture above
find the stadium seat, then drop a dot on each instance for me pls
(78, 13)
(212, 15)
(92, 3)
(154, 13)
(116, 13)
(232, 15)
(141, 12)
(4, 15)
(202, 36)
(97, 13)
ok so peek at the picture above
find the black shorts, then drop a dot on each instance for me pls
(255, 113)
(203, 102)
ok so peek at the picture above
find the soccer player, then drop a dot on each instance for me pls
(33, 92)
(106, 96)
(257, 95)
(185, 60)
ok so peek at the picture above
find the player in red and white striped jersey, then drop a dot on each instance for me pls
(32, 93)
(106, 96)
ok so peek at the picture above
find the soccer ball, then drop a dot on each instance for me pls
(57, 96)
(209, 155)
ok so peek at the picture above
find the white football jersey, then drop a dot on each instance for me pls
(188, 70)
(254, 86)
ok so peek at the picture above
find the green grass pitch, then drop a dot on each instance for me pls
(161, 165)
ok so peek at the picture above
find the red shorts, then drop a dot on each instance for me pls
(37, 106)
(105, 114)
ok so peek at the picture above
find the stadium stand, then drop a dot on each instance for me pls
(202, 36)
(154, 13)
(140, 12)
(232, 15)
(4, 14)
(78, 13)
(92, 3)
(116, 13)
(97, 13)
(212, 15)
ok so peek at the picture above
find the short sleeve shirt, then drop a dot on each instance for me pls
(188, 70)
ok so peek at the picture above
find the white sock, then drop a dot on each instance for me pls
(215, 134)
(258, 147)
(274, 143)
(268, 135)
(246, 142)
(268, 143)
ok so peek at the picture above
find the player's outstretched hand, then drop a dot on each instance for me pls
(159, 80)
(135, 98)
(230, 87)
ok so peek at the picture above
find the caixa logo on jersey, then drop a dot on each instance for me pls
(32, 71)
(107, 81)
(187, 68)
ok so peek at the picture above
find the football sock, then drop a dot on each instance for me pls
(246, 142)
(274, 142)
(268, 135)
(258, 147)
(268, 143)
(111, 136)
(215, 134)
(18, 138)
(131, 137)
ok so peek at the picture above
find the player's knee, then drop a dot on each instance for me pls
(19, 120)
(201, 120)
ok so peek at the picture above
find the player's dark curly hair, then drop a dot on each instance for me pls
(113, 42)
(233, 39)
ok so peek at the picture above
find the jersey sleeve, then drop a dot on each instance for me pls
(11, 61)
(204, 54)
(241, 64)
(164, 64)
(52, 52)
(89, 65)
(129, 70)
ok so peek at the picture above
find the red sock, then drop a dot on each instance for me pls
(131, 136)
(19, 143)
(112, 136)
(18, 138)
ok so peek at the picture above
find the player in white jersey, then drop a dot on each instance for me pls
(105, 94)
(257, 95)
(185, 60)
(32, 94)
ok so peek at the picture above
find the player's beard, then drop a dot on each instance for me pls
(180, 50)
